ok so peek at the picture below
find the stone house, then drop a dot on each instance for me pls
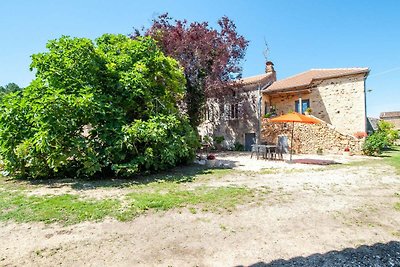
(236, 117)
(393, 117)
(335, 96)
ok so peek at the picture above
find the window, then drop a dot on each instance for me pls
(221, 111)
(208, 114)
(269, 109)
(305, 103)
(234, 111)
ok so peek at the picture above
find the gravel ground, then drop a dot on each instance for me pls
(313, 216)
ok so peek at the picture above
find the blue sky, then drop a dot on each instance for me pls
(301, 34)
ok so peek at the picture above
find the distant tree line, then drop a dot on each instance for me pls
(9, 88)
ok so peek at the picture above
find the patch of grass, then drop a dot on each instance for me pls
(397, 205)
(393, 158)
(209, 198)
(66, 209)
(163, 195)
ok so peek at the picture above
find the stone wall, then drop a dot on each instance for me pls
(341, 102)
(233, 129)
(394, 120)
(337, 101)
(308, 138)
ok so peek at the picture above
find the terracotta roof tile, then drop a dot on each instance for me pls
(304, 79)
(390, 114)
(256, 79)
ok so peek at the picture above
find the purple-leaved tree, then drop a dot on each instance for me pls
(210, 57)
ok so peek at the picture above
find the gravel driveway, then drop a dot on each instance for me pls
(312, 216)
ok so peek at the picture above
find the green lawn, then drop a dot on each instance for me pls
(392, 157)
(158, 192)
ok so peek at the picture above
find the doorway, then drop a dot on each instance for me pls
(249, 140)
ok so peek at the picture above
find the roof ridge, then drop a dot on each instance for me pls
(351, 68)
(294, 75)
(254, 76)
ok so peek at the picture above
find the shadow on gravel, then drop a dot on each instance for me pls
(180, 174)
(377, 255)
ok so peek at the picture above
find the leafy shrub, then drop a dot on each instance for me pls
(388, 128)
(375, 143)
(219, 139)
(115, 88)
(157, 144)
(238, 147)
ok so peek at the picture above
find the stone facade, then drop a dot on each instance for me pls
(238, 113)
(223, 120)
(392, 117)
(308, 138)
(336, 97)
(337, 101)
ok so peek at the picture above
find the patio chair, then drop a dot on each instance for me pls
(263, 151)
(282, 146)
(254, 149)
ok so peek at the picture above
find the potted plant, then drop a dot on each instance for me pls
(211, 160)
(308, 111)
(267, 115)
(346, 151)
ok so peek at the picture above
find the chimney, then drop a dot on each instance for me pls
(269, 67)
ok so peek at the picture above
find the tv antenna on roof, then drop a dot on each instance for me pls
(266, 50)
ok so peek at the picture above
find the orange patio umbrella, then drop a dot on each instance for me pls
(294, 117)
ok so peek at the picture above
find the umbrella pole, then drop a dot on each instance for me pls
(291, 143)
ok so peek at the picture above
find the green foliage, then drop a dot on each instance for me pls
(9, 88)
(375, 143)
(388, 128)
(157, 144)
(267, 115)
(219, 139)
(382, 138)
(238, 147)
(73, 119)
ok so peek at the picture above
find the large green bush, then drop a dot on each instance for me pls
(381, 139)
(95, 107)
(156, 144)
(388, 128)
(375, 143)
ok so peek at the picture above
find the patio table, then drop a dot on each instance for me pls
(265, 150)
(270, 151)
